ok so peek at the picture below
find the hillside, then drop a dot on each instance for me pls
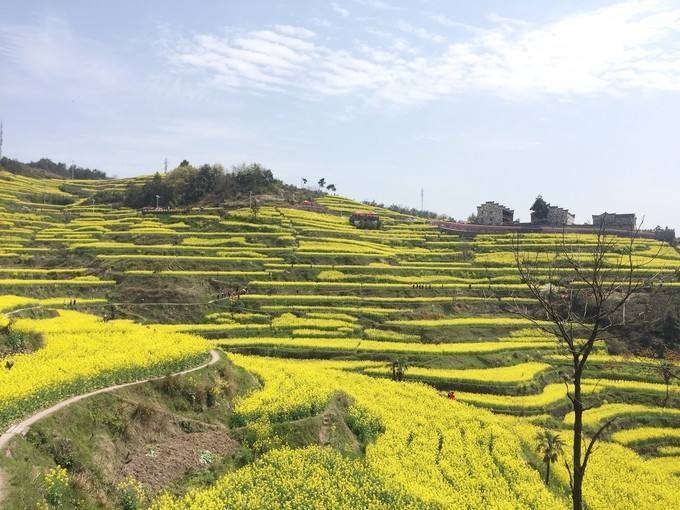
(46, 168)
(313, 315)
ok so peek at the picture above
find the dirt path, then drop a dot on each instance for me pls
(3, 484)
(22, 427)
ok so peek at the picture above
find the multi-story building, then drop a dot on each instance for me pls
(492, 213)
(627, 221)
(560, 216)
(555, 216)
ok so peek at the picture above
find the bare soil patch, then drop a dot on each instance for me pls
(160, 463)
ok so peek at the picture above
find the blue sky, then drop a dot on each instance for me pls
(471, 100)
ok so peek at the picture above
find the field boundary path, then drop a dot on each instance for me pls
(22, 427)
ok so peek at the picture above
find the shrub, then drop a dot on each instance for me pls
(56, 487)
(131, 494)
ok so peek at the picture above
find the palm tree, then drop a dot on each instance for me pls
(399, 367)
(551, 446)
(322, 183)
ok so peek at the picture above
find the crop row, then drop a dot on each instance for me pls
(509, 375)
(648, 435)
(188, 258)
(388, 286)
(554, 395)
(326, 298)
(86, 281)
(359, 345)
(597, 416)
(359, 310)
(166, 272)
(421, 444)
(10, 302)
(81, 352)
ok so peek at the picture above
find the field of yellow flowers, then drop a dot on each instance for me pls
(82, 353)
(429, 452)
(117, 295)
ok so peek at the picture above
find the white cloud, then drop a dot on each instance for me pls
(508, 22)
(321, 22)
(611, 50)
(378, 4)
(51, 50)
(295, 31)
(448, 22)
(262, 59)
(379, 33)
(339, 10)
(420, 32)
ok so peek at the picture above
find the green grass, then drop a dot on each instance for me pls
(104, 430)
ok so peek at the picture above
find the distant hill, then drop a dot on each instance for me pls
(46, 168)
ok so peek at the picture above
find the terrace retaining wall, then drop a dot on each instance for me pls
(528, 228)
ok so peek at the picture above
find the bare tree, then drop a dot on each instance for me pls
(254, 206)
(583, 295)
(668, 368)
(664, 363)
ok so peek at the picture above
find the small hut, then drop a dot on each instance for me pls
(364, 219)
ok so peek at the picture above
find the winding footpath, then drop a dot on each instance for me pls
(22, 427)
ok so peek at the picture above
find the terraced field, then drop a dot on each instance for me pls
(318, 311)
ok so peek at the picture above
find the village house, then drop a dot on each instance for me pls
(627, 221)
(365, 220)
(554, 216)
(492, 213)
(560, 216)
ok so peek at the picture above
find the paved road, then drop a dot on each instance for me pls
(22, 427)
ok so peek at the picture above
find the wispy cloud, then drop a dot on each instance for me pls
(419, 32)
(322, 22)
(339, 10)
(507, 21)
(631, 45)
(50, 50)
(451, 23)
(378, 4)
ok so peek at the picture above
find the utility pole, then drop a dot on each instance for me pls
(0, 140)
(158, 197)
(422, 199)
(624, 312)
(165, 166)
(73, 168)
